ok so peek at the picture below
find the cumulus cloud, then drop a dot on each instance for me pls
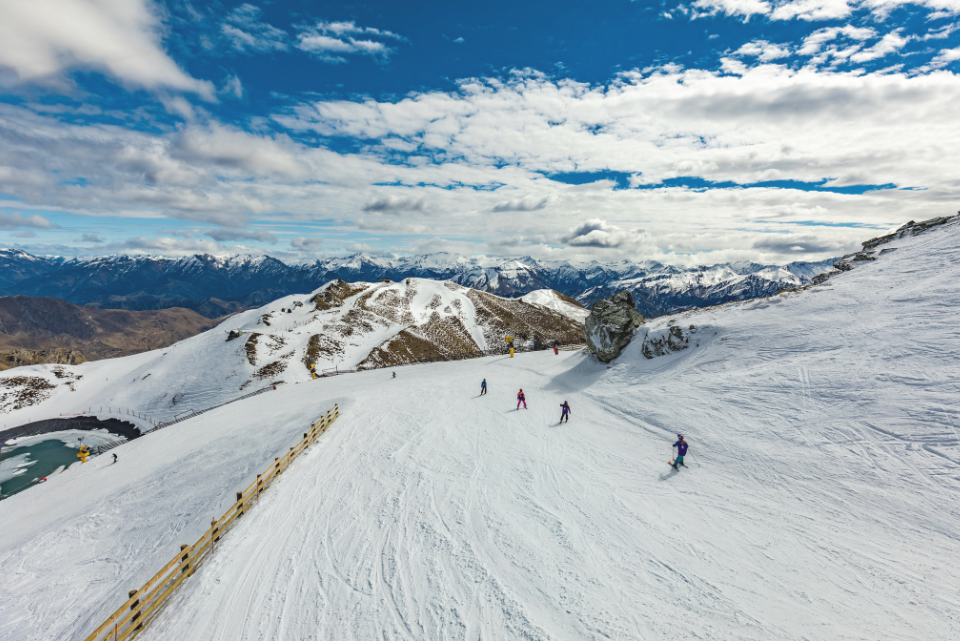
(91, 238)
(17, 220)
(330, 41)
(41, 39)
(246, 34)
(597, 233)
(223, 235)
(527, 203)
(390, 204)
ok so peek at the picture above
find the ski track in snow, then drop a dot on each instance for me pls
(821, 500)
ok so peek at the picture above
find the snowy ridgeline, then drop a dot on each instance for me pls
(821, 500)
(343, 326)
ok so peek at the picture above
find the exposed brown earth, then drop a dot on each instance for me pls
(49, 330)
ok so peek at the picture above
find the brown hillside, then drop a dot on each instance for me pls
(49, 330)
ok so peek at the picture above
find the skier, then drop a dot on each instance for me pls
(521, 399)
(114, 457)
(394, 374)
(483, 387)
(681, 446)
(564, 412)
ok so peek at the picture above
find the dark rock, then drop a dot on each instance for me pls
(610, 326)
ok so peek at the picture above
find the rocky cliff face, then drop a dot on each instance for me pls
(610, 326)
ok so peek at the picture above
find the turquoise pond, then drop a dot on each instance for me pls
(45, 456)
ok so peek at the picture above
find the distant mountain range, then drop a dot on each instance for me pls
(215, 286)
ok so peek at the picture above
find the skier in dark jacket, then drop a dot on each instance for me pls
(564, 412)
(521, 399)
(681, 446)
(483, 387)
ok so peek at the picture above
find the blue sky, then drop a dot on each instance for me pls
(684, 132)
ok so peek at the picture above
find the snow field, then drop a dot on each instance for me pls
(821, 502)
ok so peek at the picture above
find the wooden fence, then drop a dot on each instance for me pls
(144, 604)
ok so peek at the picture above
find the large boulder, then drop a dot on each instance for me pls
(610, 325)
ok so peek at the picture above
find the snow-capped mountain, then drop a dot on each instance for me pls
(340, 325)
(217, 286)
(557, 302)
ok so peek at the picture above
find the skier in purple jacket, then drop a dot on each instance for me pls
(681, 446)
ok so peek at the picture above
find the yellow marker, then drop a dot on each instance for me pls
(511, 352)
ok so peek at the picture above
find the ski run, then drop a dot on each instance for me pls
(821, 498)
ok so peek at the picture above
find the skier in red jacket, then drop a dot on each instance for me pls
(521, 399)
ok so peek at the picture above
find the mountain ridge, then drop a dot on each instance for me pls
(217, 286)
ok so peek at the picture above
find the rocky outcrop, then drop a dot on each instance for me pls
(869, 251)
(58, 356)
(610, 325)
(667, 340)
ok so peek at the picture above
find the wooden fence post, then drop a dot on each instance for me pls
(239, 504)
(135, 606)
(186, 556)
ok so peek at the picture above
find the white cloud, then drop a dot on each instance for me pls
(814, 43)
(456, 156)
(745, 8)
(813, 10)
(306, 243)
(397, 203)
(42, 39)
(945, 57)
(764, 51)
(890, 43)
(598, 234)
(245, 33)
(16, 220)
(330, 41)
(527, 203)
(242, 234)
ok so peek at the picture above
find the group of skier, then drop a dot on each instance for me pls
(522, 400)
(681, 443)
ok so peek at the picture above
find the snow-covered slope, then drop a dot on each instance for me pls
(342, 326)
(557, 302)
(821, 501)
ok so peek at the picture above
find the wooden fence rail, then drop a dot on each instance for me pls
(144, 604)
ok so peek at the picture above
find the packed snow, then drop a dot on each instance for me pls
(822, 499)
(553, 300)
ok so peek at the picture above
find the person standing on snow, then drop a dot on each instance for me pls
(521, 399)
(564, 412)
(483, 387)
(681, 446)
(394, 374)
